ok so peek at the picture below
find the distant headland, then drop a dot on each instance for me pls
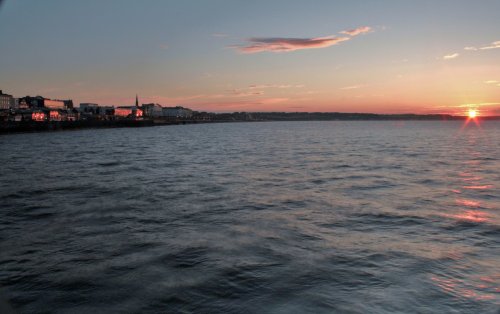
(32, 114)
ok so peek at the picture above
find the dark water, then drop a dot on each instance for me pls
(300, 217)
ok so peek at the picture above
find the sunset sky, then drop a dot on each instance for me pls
(226, 55)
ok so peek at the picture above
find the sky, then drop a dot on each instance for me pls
(385, 56)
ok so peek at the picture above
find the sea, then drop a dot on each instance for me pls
(260, 217)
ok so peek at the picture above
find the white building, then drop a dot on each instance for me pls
(152, 110)
(177, 112)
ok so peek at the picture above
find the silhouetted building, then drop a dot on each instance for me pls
(32, 102)
(89, 108)
(90, 111)
(68, 104)
(5, 101)
(14, 103)
(42, 102)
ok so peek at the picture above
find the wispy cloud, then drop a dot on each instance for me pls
(493, 45)
(288, 44)
(492, 82)
(257, 89)
(357, 31)
(262, 86)
(470, 48)
(351, 87)
(272, 101)
(451, 56)
(164, 46)
(285, 44)
(244, 93)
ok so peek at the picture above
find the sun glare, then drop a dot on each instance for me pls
(472, 113)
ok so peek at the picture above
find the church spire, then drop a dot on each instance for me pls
(136, 101)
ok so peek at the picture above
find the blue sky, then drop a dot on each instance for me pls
(411, 58)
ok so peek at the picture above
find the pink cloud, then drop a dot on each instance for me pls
(262, 86)
(357, 31)
(272, 101)
(288, 44)
(244, 93)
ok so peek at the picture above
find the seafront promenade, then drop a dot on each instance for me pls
(34, 126)
(7, 127)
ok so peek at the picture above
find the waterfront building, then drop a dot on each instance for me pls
(89, 108)
(152, 110)
(68, 104)
(32, 102)
(54, 104)
(42, 102)
(96, 112)
(131, 112)
(5, 101)
(72, 115)
(22, 115)
(23, 105)
(14, 103)
(39, 116)
(177, 112)
(107, 112)
(55, 115)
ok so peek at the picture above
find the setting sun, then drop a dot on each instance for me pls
(472, 113)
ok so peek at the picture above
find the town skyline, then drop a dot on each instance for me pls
(388, 57)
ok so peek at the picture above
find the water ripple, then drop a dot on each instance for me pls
(303, 217)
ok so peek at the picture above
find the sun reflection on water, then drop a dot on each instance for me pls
(468, 205)
(479, 289)
(476, 216)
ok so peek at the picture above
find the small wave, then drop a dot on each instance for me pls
(109, 163)
(388, 219)
(186, 258)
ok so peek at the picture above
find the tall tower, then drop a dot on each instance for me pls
(136, 101)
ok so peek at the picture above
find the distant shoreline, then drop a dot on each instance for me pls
(7, 127)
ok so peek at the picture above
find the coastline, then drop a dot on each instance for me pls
(12, 127)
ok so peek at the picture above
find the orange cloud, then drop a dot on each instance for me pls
(288, 44)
